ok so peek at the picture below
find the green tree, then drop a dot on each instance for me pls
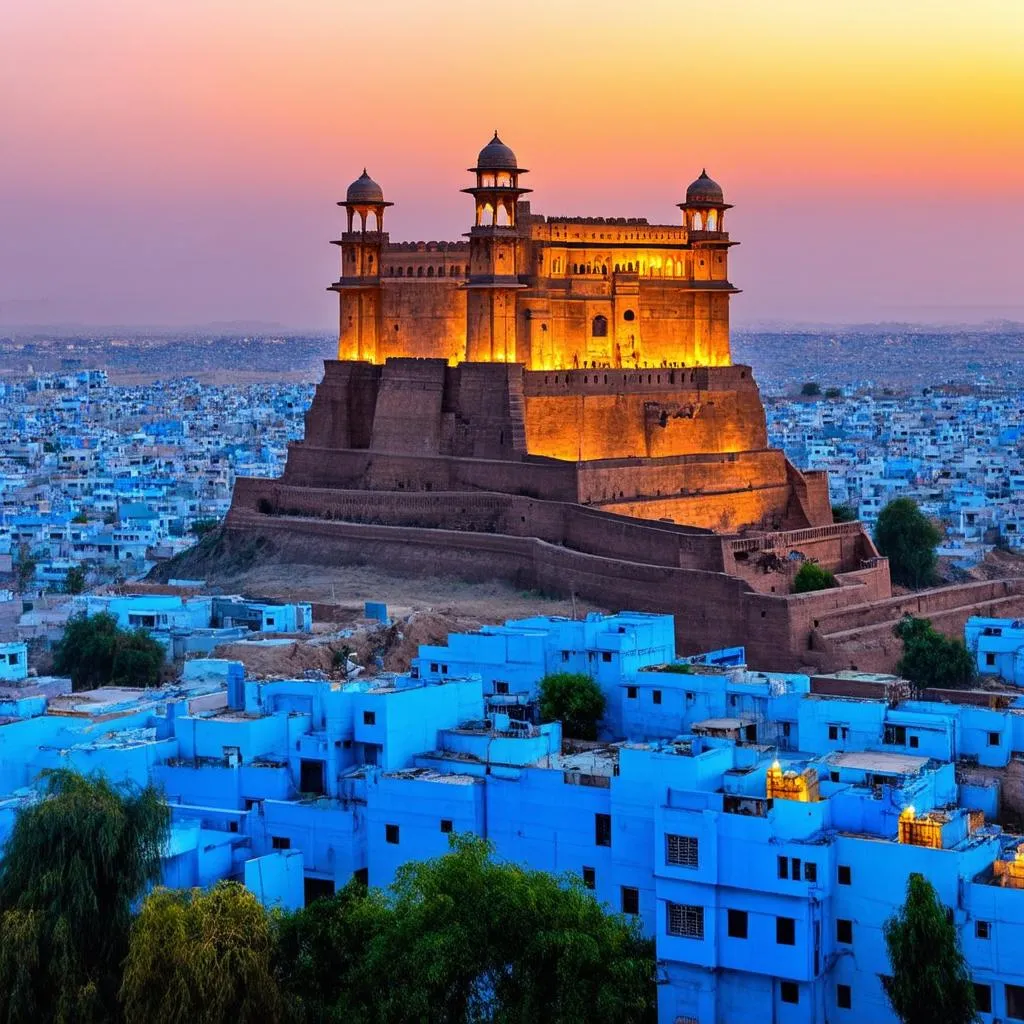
(908, 539)
(95, 651)
(321, 953)
(811, 576)
(811, 389)
(575, 700)
(74, 580)
(929, 983)
(844, 514)
(72, 867)
(201, 527)
(80, 518)
(26, 568)
(833, 393)
(932, 659)
(204, 957)
(463, 938)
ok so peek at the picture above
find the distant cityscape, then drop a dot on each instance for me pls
(114, 447)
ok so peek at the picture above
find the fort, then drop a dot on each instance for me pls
(552, 400)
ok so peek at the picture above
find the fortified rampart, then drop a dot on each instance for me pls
(553, 401)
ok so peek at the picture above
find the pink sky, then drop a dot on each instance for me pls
(178, 162)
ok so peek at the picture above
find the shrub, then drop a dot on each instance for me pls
(811, 577)
(573, 699)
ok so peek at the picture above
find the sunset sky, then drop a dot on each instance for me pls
(178, 161)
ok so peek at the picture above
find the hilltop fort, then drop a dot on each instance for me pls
(552, 400)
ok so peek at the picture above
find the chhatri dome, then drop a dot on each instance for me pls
(704, 190)
(496, 156)
(364, 190)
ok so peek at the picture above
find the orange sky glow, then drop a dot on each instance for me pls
(178, 162)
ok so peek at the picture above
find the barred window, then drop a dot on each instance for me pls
(686, 921)
(681, 850)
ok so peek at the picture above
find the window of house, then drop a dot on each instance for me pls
(362, 876)
(895, 734)
(844, 997)
(844, 931)
(280, 843)
(629, 315)
(391, 834)
(603, 829)
(589, 877)
(794, 869)
(810, 871)
(783, 864)
(785, 931)
(369, 718)
(501, 687)
(311, 777)
(690, 696)
(982, 929)
(631, 692)
(599, 327)
(993, 739)
(915, 741)
(833, 732)
(685, 920)
(990, 658)
(433, 666)
(630, 899)
(982, 998)
(737, 924)
(844, 875)
(786, 729)
(446, 825)
(789, 991)
(656, 696)
(681, 850)
(1014, 1001)
(606, 655)
(565, 655)
(833, 776)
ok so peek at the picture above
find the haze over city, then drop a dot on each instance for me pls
(172, 164)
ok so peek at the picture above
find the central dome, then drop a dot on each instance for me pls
(364, 190)
(496, 156)
(704, 190)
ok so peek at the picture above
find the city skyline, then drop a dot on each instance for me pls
(179, 165)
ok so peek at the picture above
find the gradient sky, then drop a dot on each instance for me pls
(178, 161)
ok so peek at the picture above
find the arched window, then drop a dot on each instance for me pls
(629, 268)
(419, 271)
(698, 221)
(440, 271)
(618, 268)
(712, 220)
(599, 327)
(430, 271)
(604, 269)
(629, 315)
(408, 272)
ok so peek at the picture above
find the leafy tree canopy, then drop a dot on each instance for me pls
(811, 389)
(811, 576)
(930, 983)
(575, 700)
(201, 956)
(833, 393)
(462, 939)
(844, 514)
(201, 527)
(73, 866)
(908, 539)
(74, 580)
(932, 659)
(95, 651)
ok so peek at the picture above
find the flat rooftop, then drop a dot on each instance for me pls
(878, 761)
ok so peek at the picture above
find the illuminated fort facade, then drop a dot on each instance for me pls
(553, 400)
(552, 293)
